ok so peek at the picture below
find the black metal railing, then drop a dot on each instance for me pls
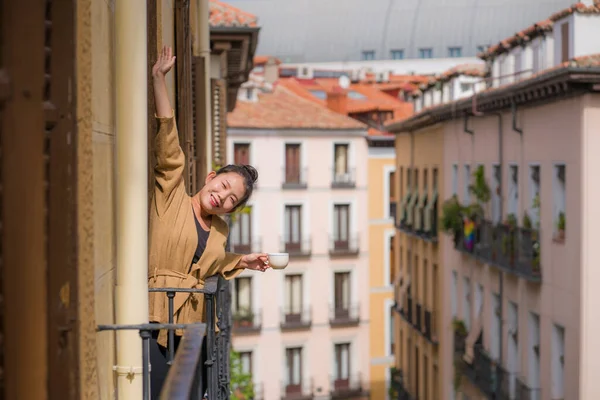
(246, 321)
(346, 386)
(343, 179)
(399, 389)
(299, 390)
(430, 326)
(409, 309)
(294, 177)
(524, 392)
(513, 249)
(344, 246)
(342, 315)
(184, 380)
(296, 319)
(246, 246)
(482, 372)
(296, 247)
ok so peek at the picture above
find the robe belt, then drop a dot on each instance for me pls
(186, 281)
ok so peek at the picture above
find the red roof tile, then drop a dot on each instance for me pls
(225, 15)
(260, 60)
(284, 109)
(537, 29)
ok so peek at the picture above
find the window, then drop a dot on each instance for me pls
(293, 297)
(293, 228)
(534, 195)
(454, 52)
(392, 278)
(341, 226)
(319, 94)
(340, 156)
(342, 365)
(246, 362)
(393, 195)
(539, 59)
(533, 351)
(294, 370)
(467, 182)
(342, 294)
(496, 190)
(397, 54)
(558, 362)
(564, 33)
(368, 55)
(481, 48)
(513, 191)
(292, 163)
(518, 62)
(243, 294)
(241, 153)
(560, 190)
(426, 53)
(392, 314)
(495, 325)
(241, 232)
(455, 179)
(401, 187)
(513, 358)
(354, 95)
(435, 179)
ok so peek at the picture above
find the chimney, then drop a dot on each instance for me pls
(272, 70)
(337, 100)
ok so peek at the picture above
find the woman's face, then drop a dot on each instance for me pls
(221, 193)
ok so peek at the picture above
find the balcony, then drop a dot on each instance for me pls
(482, 372)
(246, 246)
(344, 316)
(348, 246)
(523, 392)
(246, 322)
(297, 319)
(348, 387)
(302, 390)
(430, 326)
(183, 380)
(294, 178)
(418, 219)
(513, 249)
(398, 388)
(296, 247)
(343, 179)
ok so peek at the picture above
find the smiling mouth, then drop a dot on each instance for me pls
(213, 201)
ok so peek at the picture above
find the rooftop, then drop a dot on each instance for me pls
(283, 109)
(226, 15)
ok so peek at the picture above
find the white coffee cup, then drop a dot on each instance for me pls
(278, 260)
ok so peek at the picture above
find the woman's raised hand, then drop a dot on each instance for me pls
(165, 62)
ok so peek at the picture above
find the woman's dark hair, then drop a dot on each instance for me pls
(250, 175)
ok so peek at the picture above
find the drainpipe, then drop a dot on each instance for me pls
(204, 52)
(132, 191)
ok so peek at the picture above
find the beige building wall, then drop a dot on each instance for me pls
(552, 134)
(425, 369)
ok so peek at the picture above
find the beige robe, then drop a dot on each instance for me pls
(173, 238)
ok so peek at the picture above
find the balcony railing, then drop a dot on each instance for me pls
(344, 316)
(399, 390)
(524, 392)
(348, 246)
(294, 177)
(246, 322)
(296, 319)
(418, 317)
(513, 249)
(346, 387)
(300, 390)
(430, 326)
(343, 179)
(246, 246)
(184, 380)
(296, 247)
(409, 309)
(483, 372)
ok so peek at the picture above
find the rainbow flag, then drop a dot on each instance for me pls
(469, 234)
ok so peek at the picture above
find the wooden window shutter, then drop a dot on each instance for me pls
(184, 98)
(219, 121)
(564, 29)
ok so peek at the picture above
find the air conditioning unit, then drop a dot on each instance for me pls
(305, 72)
(383, 76)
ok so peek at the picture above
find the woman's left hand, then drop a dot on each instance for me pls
(255, 261)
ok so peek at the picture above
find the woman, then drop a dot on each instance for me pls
(187, 236)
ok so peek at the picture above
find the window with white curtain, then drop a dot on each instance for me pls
(242, 294)
(342, 361)
(341, 161)
(341, 224)
(293, 290)
(246, 362)
(241, 232)
(342, 290)
(292, 226)
(294, 367)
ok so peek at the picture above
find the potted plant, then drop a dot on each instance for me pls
(451, 219)
(527, 224)
(479, 188)
(560, 225)
(244, 317)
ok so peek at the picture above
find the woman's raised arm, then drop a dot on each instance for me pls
(163, 65)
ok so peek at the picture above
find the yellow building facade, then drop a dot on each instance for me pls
(382, 206)
(418, 285)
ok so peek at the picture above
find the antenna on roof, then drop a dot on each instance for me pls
(344, 82)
